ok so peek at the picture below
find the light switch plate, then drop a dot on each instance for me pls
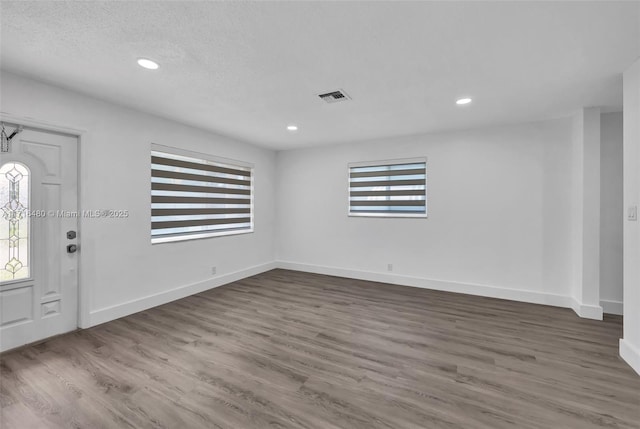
(632, 214)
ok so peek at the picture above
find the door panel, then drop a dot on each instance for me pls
(49, 243)
(17, 306)
(46, 302)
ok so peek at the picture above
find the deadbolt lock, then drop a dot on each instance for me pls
(71, 235)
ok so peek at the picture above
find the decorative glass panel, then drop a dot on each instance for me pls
(14, 222)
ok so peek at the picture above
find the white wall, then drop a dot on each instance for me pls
(499, 207)
(630, 344)
(120, 271)
(611, 213)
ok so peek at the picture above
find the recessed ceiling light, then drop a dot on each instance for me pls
(463, 101)
(147, 63)
(292, 127)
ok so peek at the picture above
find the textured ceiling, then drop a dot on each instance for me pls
(248, 69)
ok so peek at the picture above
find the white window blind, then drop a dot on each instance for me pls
(196, 196)
(395, 188)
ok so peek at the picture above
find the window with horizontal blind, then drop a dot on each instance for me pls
(196, 196)
(395, 188)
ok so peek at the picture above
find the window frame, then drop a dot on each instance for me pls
(220, 161)
(387, 162)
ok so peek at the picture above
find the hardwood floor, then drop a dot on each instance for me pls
(292, 350)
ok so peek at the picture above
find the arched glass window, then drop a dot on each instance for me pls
(14, 222)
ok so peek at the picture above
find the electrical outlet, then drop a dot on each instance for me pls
(389, 267)
(213, 271)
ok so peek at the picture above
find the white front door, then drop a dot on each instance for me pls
(38, 206)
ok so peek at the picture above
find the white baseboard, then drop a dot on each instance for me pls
(611, 307)
(448, 286)
(631, 354)
(114, 312)
(586, 311)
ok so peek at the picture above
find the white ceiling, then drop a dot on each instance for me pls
(247, 69)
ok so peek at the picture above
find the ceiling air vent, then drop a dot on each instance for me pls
(334, 96)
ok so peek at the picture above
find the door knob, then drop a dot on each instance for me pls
(72, 248)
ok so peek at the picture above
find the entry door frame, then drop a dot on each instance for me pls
(84, 297)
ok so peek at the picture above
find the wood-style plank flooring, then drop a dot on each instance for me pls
(292, 350)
